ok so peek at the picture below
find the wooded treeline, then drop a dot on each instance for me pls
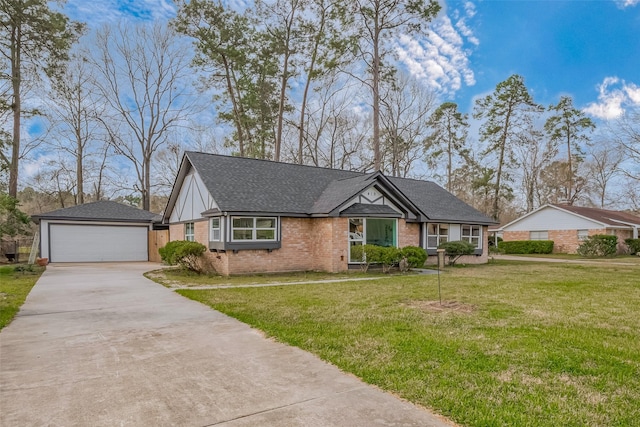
(106, 112)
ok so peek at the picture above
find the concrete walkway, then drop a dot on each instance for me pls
(100, 345)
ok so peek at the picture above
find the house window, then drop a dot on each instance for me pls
(253, 228)
(215, 230)
(583, 234)
(472, 234)
(539, 235)
(189, 232)
(437, 234)
(371, 231)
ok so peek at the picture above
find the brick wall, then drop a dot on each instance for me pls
(408, 234)
(566, 241)
(307, 244)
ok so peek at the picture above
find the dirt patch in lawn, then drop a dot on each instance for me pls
(445, 306)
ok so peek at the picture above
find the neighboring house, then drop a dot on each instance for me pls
(94, 232)
(569, 225)
(262, 216)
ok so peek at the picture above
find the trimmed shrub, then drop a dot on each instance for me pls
(634, 246)
(387, 256)
(454, 250)
(599, 245)
(168, 252)
(526, 247)
(416, 256)
(184, 253)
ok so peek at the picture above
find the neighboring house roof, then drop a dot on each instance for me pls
(250, 185)
(604, 217)
(102, 210)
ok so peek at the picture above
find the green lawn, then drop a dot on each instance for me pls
(514, 344)
(176, 277)
(575, 257)
(15, 285)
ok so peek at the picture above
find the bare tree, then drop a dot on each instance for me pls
(73, 114)
(626, 134)
(533, 152)
(603, 166)
(380, 21)
(406, 106)
(143, 79)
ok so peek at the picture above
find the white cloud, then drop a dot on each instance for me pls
(614, 95)
(626, 3)
(441, 60)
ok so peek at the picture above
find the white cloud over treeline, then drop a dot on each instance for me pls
(614, 96)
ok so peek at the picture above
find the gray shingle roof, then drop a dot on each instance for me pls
(102, 210)
(437, 203)
(249, 185)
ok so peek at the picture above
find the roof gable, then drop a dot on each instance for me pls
(566, 217)
(102, 210)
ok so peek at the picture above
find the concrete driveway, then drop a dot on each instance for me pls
(98, 344)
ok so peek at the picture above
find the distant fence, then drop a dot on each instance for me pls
(15, 249)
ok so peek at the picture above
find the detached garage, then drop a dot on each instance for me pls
(96, 232)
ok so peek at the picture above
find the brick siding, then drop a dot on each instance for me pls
(318, 244)
(566, 241)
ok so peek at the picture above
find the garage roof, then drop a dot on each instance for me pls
(102, 210)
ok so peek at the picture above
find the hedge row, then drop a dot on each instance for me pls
(599, 245)
(388, 256)
(526, 247)
(634, 246)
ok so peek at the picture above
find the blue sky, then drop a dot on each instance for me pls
(589, 50)
(559, 47)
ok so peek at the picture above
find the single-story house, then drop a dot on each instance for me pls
(569, 225)
(95, 232)
(263, 216)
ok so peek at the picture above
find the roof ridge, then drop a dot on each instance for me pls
(277, 162)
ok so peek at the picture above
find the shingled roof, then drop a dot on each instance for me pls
(250, 185)
(608, 217)
(102, 210)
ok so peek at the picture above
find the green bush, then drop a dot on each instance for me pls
(634, 246)
(416, 256)
(454, 250)
(386, 256)
(184, 253)
(599, 245)
(526, 247)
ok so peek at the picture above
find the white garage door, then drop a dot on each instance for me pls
(94, 243)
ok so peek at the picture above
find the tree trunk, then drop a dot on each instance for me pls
(16, 108)
(376, 94)
(236, 112)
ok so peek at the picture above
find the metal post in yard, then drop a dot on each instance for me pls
(440, 263)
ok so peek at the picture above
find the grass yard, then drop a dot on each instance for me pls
(627, 259)
(15, 285)
(175, 277)
(514, 344)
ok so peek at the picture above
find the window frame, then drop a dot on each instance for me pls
(360, 237)
(582, 234)
(254, 229)
(189, 231)
(213, 229)
(537, 236)
(470, 237)
(438, 234)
